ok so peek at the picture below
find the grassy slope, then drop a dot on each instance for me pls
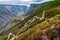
(51, 12)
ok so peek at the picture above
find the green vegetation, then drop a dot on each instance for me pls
(3, 37)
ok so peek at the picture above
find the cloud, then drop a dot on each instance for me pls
(26, 0)
(8, 0)
(21, 4)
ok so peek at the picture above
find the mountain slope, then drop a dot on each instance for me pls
(8, 12)
(40, 25)
(34, 7)
(46, 26)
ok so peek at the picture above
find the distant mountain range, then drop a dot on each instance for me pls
(7, 12)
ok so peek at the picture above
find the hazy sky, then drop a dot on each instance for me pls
(22, 0)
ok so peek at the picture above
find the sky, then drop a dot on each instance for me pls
(22, 0)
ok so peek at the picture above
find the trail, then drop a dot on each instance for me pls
(25, 26)
(11, 38)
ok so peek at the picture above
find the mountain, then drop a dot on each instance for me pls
(7, 12)
(19, 17)
(42, 24)
(33, 7)
(20, 13)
